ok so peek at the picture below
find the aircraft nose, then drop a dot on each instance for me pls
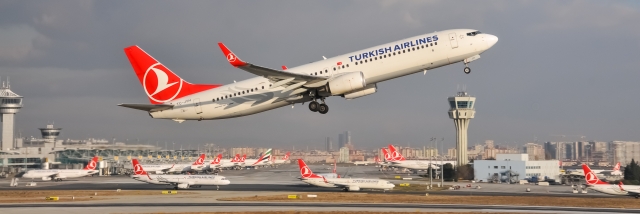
(491, 40)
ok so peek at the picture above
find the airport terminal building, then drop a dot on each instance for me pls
(511, 168)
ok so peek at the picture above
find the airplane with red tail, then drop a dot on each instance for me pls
(177, 181)
(351, 75)
(60, 174)
(594, 183)
(347, 184)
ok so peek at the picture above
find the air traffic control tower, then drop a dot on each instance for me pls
(10, 104)
(461, 111)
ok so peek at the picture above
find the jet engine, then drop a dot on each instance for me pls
(159, 172)
(46, 178)
(370, 89)
(353, 188)
(183, 186)
(346, 83)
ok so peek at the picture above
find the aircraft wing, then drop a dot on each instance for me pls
(147, 107)
(289, 80)
(167, 169)
(633, 192)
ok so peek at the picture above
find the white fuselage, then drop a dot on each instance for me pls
(361, 183)
(58, 173)
(614, 189)
(191, 180)
(383, 62)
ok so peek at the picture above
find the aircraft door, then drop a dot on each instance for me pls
(197, 105)
(453, 40)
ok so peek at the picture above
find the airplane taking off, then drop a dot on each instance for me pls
(59, 174)
(347, 184)
(178, 181)
(593, 182)
(350, 75)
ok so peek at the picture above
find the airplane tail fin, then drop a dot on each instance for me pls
(376, 159)
(160, 83)
(591, 177)
(243, 158)
(286, 156)
(265, 156)
(137, 168)
(395, 155)
(200, 160)
(236, 158)
(305, 172)
(217, 159)
(387, 155)
(617, 167)
(92, 164)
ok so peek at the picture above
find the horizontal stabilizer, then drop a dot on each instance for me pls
(147, 107)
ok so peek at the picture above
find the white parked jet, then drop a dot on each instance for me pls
(347, 184)
(178, 181)
(59, 174)
(350, 75)
(284, 159)
(594, 183)
(400, 161)
(263, 160)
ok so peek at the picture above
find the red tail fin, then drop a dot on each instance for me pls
(305, 172)
(160, 83)
(217, 159)
(200, 160)
(395, 155)
(92, 164)
(286, 156)
(137, 168)
(244, 157)
(236, 158)
(376, 159)
(591, 177)
(387, 156)
(617, 167)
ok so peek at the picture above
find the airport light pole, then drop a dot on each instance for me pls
(430, 165)
(441, 165)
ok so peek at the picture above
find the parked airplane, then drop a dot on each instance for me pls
(59, 174)
(284, 159)
(347, 184)
(594, 183)
(263, 160)
(400, 161)
(178, 181)
(215, 163)
(235, 162)
(350, 75)
(333, 174)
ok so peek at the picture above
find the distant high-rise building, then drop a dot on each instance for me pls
(625, 151)
(534, 150)
(341, 141)
(329, 144)
(347, 136)
(344, 155)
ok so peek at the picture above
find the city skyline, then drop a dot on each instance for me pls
(66, 59)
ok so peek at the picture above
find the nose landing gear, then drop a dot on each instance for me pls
(467, 70)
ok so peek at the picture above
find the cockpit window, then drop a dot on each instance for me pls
(474, 33)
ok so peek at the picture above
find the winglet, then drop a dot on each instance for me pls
(231, 57)
(284, 67)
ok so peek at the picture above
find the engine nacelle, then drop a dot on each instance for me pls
(159, 172)
(370, 89)
(46, 178)
(183, 186)
(347, 83)
(353, 188)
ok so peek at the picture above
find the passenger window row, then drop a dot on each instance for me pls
(237, 94)
(398, 52)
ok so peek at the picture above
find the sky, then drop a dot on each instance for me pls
(560, 68)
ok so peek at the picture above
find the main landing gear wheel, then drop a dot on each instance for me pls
(467, 70)
(323, 108)
(313, 106)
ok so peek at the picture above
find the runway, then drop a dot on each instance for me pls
(328, 206)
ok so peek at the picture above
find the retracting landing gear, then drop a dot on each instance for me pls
(467, 70)
(314, 106)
